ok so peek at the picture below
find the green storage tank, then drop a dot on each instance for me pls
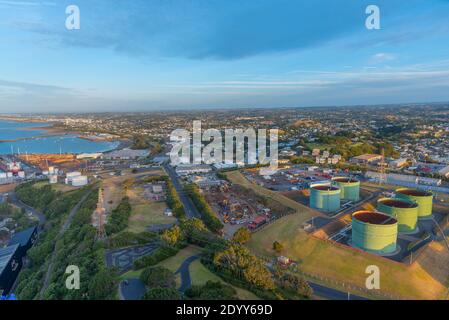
(405, 211)
(350, 188)
(325, 197)
(424, 199)
(374, 232)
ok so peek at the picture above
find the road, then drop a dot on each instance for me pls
(36, 213)
(184, 271)
(332, 294)
(189, 208)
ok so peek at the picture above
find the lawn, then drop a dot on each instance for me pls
(303, 212)
(337, 264)
(56, 187)
(145, 212)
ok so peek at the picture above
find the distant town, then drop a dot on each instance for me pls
(356, 186)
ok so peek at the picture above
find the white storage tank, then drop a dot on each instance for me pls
(79, 181)
(53, 179)
(21, 174)
(2, 175)
(73, 174)
(9, 174)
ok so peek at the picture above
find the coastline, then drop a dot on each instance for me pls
(52, 131)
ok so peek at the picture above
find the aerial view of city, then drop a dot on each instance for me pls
(273, 150)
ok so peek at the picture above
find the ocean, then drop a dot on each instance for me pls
(32, 142)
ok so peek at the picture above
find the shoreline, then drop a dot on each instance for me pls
(52, 131)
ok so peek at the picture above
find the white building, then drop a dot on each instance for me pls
(184, 170)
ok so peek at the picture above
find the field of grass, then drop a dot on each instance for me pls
(342, 265)
(303, 212)
(145, 212)
(57, 186)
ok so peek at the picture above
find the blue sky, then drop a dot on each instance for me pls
(134, 55)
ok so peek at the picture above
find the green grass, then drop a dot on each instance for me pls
(56, 187)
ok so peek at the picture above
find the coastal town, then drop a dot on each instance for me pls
(339, 173)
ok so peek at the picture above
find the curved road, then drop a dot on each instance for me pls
(184, 271)
(39, 215)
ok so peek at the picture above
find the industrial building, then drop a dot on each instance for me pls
(374, 232)
(367, 159)
(350, 188)
(184, 170)
(10, 265)
(25, 239)
(126, 154)
(424, 199)
(405, 211)
(325, 197)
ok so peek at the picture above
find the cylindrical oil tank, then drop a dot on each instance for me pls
(374, 232)
(325, 197)
(405, 211)
(424, 200)
(350, 188)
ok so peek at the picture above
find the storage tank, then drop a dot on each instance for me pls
(53, 179)
(405, 211)
(79, 181)
(424, 200)
(325, 197)
(374, 232)
(350, 188)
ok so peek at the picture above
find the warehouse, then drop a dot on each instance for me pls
(25, 239)
(10, 265)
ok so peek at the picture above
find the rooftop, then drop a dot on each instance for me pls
(5, 256)
(22, 237)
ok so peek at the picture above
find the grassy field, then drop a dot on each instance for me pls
(145, 212)
(303, 212)
(57, 186)
(422, 280)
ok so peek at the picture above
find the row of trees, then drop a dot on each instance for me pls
(118, 220)
(207, 214)
(36, 197)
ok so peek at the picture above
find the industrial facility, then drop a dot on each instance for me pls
(325, 197)
(374, 232)
(424, 199)
(405, 211)
(350, 188)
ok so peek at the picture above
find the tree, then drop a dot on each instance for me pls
(239, 262)
(242, 236)
(172, 236)
(211, 291)
(278, 247)
(102, 285)
(158, 277)
(162, 294)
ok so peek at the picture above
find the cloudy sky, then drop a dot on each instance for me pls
(133, 55)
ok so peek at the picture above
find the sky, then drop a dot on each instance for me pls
(144, 55)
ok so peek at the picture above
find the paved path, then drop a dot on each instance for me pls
(124, 258)
(189, 208)
(63, 229)
(184, 271)
(131, 289)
